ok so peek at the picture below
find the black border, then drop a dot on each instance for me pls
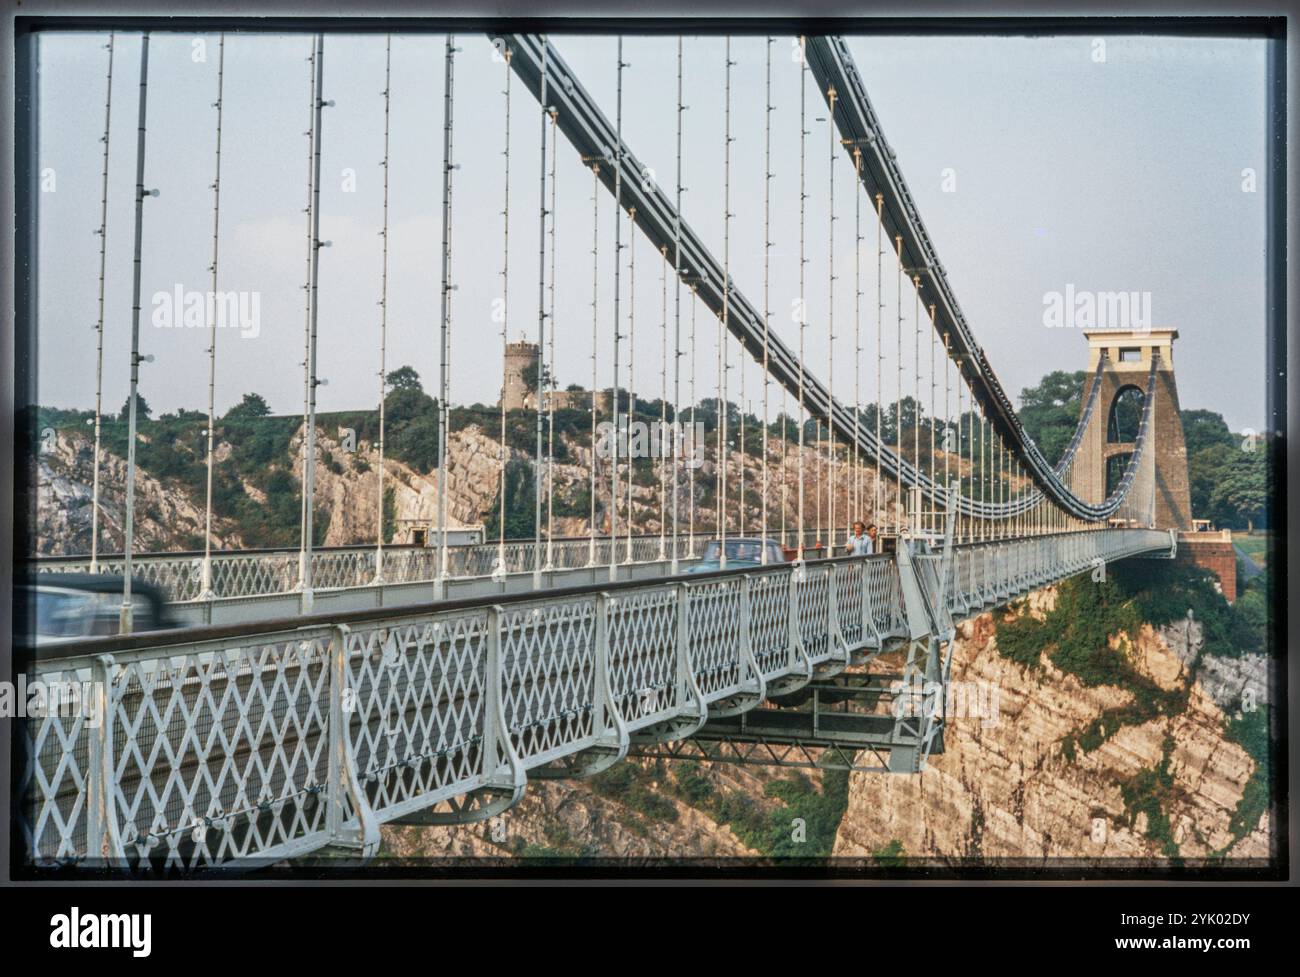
(17, 32)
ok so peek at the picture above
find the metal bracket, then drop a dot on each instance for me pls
(918, 619)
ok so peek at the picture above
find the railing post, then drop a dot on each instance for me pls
(683, 644)
(344, 779)
(600, 670)
(494, 721)
(836, 633)
(103, 839)
(868, 618)
(792, 605)
(746, 647)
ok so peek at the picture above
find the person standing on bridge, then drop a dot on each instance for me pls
(860, 543)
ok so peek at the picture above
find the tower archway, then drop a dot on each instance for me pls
(1125, 357)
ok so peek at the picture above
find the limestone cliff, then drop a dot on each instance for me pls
(170, 516)
(63, 484)
(1006, 789)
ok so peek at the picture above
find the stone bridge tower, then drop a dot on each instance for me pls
(1107, 442)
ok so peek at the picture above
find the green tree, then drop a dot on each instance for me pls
(519, 503)
(1241, 492)
(142, 411)
(416, 443)
(1050, 411)
(529, 376)
(404, 378)
(1205, 470)
(1204, 429)
(253, 405)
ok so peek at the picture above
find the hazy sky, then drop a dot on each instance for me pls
(1121, 175)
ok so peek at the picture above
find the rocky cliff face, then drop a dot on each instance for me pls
(347, 484)
(171, 517)
(563, 821)
(63, 479)
(167, 516)
(1006, 789)
(589, 819)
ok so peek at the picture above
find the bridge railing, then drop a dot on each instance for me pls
(265, 572)
(261, 742)
(265, 741)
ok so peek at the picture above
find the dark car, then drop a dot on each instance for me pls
(742, 551)
(53, 607)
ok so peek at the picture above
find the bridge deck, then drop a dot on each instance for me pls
(239, 745)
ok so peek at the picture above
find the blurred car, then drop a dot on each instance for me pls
(742, 551)
(55, 607)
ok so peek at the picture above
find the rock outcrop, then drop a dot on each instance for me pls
(1006, 790)
(166, 519)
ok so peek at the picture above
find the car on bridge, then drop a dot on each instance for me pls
(742, 551)
(50, 608)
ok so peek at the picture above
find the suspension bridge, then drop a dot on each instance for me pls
(318, 693)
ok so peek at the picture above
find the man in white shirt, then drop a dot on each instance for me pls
(860, 544)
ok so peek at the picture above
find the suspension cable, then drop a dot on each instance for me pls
(830, 329)
(550, 397)
(898, 394)
(916, 523)
(125, 615)
(500, 570)
(694, 411)
(99, 326)
(618, 247)
(803, 315)
(313, 380)
(663, 403)
(767, 296)
(678, 432)
(631, 372)
(857, 330)
(934, 505)
(595, 329)
(306, 306)
(541, 330)
(383, 317)
(880, 356)
(444, 338)
(947, 415)
(206, 584)
(723, 405)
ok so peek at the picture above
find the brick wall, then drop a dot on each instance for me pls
(1214, 554)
